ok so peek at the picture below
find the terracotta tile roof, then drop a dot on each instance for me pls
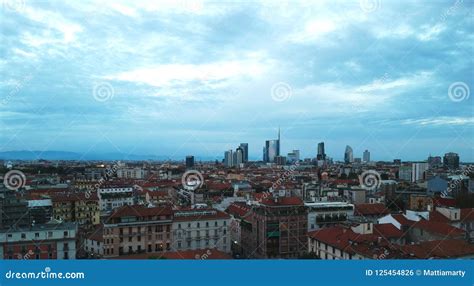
(199, 214)
(238, 209)
(403, 220)
(371, 210)
(387, 230)
(436, 216)
(444, 202)
(439, 228)
(467, 215)
(141, 211)
(446, 248)
(283, 201)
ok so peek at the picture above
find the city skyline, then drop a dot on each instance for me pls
(174, 78)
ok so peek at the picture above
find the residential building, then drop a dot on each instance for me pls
(53, 240)
(137, 229)
(201, 229)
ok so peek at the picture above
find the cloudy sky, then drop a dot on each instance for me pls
(189, 77)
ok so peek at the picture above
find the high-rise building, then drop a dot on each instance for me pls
(418, 171)
(228, 158)
(321, 153)
(272, 149)
(245, 147)
(238, 156)
(451, 160)
(297, 154)
(348, 155)
(366, 156)
(435, 161)
(189, 162)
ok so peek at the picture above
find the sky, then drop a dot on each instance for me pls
(199, 77)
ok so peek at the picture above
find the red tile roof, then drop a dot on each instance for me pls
(141, 211)
(238, 209)
(199, 214)
(371, 210)
(387, 230)
(439, 228)
(446, 248)
(467, 215)
(283, 201)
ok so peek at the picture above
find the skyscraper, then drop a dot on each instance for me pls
(366, 156)
(321, 154)
(271, 149)
(228, 158)
(451, 160)
(245, 147)
(189, 162)
(348, 155)
(238, 156)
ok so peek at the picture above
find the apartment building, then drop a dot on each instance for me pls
(137, 229)
(53, 240)
(201, 229)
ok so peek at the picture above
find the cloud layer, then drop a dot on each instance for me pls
(196, 77)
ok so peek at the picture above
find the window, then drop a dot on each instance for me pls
(207, 224)
(50, 234)
(179, 226)
(198, 225)
(37, 235)
(66, 233)
(23, 235)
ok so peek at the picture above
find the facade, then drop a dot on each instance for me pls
(418, 171)
(45, 241)
(321, 156)
(131, 173)
(245, 148)
(451, 161)
(112, 197)
(366, 156)
(323, 214)
(201, 229)
(228, 159)
(189, 162)
(137, 229)
(14, 210)
(76, 207)
(275, 228)
(404, 173)
(272, 150)
(40, 211)
(348, 155)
